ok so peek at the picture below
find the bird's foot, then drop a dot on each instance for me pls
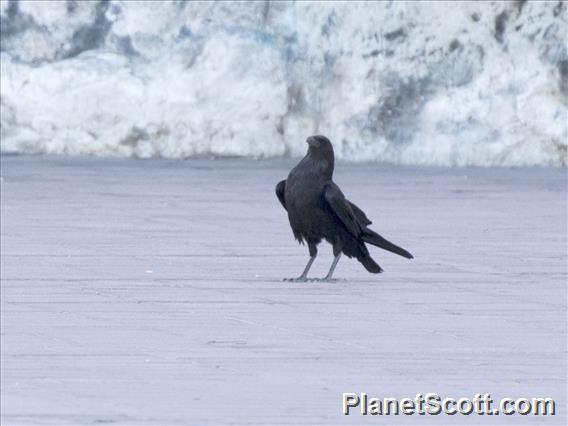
(324, 280)
(300, 279)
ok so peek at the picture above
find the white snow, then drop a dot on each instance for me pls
(437, 83)
(213, 335)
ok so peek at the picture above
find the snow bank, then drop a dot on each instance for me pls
(408, 83)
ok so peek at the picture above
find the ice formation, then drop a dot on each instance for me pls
(460, 83)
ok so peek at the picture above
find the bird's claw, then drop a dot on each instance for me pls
(311, 280)
(323, 280)
(296, 280)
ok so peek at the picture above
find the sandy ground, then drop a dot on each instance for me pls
(150, 292)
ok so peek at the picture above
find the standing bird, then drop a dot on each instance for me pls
(317, 209)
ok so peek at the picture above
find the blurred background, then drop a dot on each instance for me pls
(430, 83)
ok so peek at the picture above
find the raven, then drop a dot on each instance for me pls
(317, 209)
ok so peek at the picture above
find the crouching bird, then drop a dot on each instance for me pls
(317, 209)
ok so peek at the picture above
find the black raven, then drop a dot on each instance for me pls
(317, 209)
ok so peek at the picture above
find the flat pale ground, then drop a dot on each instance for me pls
(150, 292)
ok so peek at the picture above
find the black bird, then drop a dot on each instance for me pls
(317, 209)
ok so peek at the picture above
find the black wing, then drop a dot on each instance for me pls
(343, 209)
(356, 221)
(280, 188)
(360, 215)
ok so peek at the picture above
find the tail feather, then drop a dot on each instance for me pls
(369, 264)
(371, 237)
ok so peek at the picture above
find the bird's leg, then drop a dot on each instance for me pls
(304, 276)
(333, 265)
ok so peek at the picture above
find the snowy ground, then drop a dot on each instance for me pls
(150, 292)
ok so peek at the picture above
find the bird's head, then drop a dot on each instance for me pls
(320, 152)
(320, 147)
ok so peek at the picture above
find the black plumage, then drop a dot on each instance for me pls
(317, 210)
